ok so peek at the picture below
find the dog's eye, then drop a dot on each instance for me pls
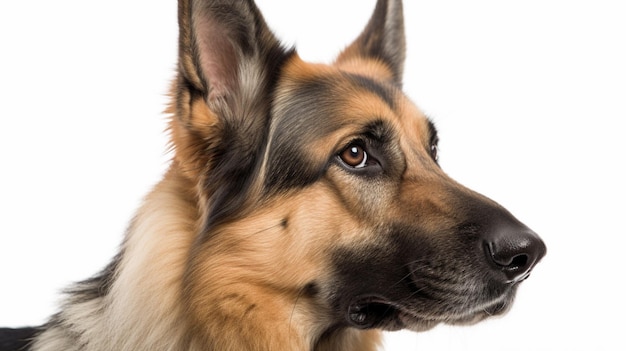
(434, 152)
(354, 156)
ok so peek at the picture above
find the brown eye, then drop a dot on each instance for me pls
(354, 156)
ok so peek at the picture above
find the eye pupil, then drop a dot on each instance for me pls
(354, 152)
(354, 156)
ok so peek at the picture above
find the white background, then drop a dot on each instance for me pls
(529, 97)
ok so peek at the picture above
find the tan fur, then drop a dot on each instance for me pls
(143, 310)
(256, 269)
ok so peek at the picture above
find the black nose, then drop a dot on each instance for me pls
(513, 249)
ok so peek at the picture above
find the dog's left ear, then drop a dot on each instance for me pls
(228, 54)
(382, 40)
(229, 62)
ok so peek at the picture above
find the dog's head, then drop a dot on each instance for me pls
(320, 183)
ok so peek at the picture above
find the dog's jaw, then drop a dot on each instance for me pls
(410, 284)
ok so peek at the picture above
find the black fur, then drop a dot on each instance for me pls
(386, 92)
(97, 286)
(17, 339)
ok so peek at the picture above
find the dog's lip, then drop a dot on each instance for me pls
(376, 311)
(366, 311)
(519, 279)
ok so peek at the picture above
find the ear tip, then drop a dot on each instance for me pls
(383, 38)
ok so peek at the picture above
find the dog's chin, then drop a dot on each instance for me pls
(376, 312)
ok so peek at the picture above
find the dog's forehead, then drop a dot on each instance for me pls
(315, 102)
(318, 110)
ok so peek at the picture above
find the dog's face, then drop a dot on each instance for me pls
(320, 185)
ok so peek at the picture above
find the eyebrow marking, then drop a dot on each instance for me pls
(378, 131)
(385, 92)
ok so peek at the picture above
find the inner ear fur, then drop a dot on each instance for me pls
(228, 56)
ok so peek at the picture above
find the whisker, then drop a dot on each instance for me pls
(411, 272)
(293, 310)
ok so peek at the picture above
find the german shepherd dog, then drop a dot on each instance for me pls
(304, 208)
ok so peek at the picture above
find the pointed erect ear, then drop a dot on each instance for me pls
(226, 51)
(382, 40)
(229, 64)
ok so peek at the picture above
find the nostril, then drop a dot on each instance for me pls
(505, 258)
(519, 261)
(515, 255)
(498, 256)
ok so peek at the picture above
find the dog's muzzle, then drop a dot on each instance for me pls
(417, 278)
